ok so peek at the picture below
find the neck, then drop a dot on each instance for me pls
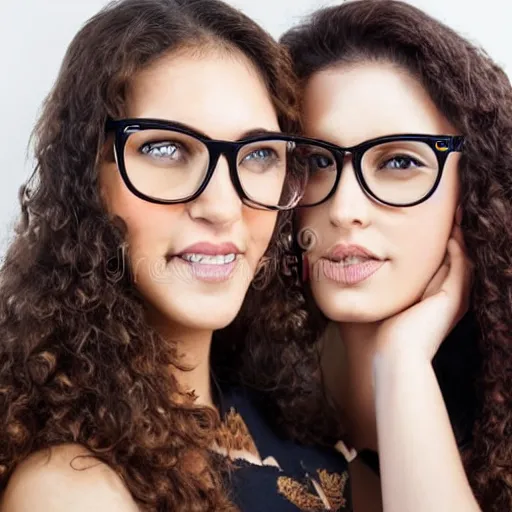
(350, 378)
(193, 350)
(196, 376)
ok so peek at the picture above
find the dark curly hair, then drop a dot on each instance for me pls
(476, 97)
(78, 361)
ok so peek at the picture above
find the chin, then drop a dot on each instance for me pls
(351, 308)
(212, 321)
(350, 315)
(206, 311)
(198, 311)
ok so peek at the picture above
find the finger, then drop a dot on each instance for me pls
(458, 250)
(458, 281)
(454, 276)
(437, 281)
(459, 264)
(459, 236)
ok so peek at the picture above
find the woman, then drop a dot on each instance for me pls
(420, 123)
(160, 194)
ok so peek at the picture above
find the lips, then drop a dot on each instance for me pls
(207, 261)
(342, 252)
(349, 264)
(206, 253)
(208, 249)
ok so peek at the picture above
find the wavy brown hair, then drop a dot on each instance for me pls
(78, 361)
(476, 97)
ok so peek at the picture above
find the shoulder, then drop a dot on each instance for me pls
(65, 478)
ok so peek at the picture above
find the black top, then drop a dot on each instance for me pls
(290, 487)
(293, 476)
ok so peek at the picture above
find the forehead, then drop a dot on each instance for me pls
(349, 104)
(219, 92)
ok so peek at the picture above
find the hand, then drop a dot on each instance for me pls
(419, 330)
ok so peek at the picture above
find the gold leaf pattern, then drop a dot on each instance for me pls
(233, 435)
(333, 485)
(296, 493)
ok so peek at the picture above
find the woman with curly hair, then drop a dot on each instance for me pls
(412, 183)
(161, 191)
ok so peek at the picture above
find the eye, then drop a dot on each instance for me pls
(261, 155)
(320, 162)
(164, 149)
(400, 162)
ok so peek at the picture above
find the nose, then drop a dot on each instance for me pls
(219, 204)
(350, 206)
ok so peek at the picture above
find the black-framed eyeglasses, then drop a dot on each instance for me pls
(165, 162)
(396, 170)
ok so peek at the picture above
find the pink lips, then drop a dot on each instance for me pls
(208, 272)
(212, 273)
(335, 267)
(210, 249)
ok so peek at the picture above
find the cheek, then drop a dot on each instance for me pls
(150, 228)
(425, 229)
(419, 239)
(260, 225)
(148, 225)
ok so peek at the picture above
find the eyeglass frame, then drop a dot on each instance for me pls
(454, 144)
(123, 128)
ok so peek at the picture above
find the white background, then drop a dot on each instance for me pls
(34, 35)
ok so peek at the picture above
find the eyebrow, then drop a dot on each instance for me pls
(254, 132)
(257, 132)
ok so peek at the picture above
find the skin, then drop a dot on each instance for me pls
(347, 108)
(222, 95)
(388, 327)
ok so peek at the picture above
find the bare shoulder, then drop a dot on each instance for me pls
(66, 478)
